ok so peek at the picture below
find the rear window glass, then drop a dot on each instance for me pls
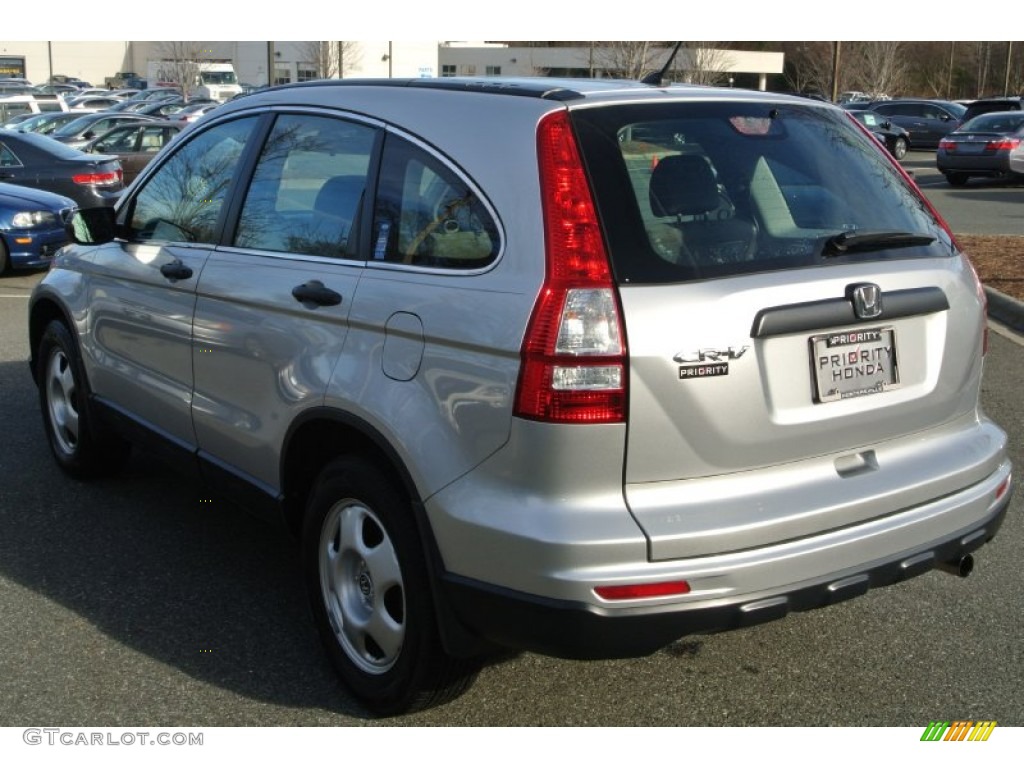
(688, 191)
(997, 122)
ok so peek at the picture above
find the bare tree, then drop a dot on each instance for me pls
(630, 59)
(809, 66)
(331, 58)
(179, 63)
(704, 63)
(879, 68)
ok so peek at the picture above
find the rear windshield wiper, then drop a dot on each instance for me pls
(846, 242)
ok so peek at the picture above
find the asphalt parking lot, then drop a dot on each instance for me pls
(141, 601)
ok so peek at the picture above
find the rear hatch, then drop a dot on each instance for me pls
(792, 309)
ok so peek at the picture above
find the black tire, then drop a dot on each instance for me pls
(899, 148)
(81, 446)
(366, 578)
(4, 261)
(956, 179)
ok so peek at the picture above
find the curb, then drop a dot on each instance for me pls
(1006, 309)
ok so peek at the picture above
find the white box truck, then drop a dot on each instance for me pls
(206, 79)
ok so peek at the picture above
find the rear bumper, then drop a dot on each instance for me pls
(580, 631)
(976, 165)
(847, 563)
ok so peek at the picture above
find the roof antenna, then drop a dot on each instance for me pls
(658, 78)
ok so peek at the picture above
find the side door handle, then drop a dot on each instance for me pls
(316, 293)
(175, 270)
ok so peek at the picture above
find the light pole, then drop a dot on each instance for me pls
(949, 80)
(1006, 77)
(836, 48)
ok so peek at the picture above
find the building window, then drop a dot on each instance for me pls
(282, 76)
(448, 70)
(307, 71)
(470, 69)
(493, 71)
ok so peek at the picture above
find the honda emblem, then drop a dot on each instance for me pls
(867, 300)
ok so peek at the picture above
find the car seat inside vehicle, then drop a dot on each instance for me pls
(684, 188)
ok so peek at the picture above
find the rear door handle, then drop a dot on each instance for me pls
(175, 270)
(315, 292)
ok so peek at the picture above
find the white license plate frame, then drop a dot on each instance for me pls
(853, 363)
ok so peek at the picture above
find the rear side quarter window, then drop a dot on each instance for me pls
(427, 215)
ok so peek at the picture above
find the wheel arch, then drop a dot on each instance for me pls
(321, 434)
(41, 314)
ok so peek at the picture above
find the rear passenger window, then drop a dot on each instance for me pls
(307, 192)
(426, 215)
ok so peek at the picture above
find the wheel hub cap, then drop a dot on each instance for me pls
(362, 587)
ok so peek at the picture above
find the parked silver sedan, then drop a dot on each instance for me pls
(987, 145)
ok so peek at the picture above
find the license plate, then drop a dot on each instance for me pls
(854, 363)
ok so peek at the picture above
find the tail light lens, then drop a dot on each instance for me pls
(1009, 144)
(947, 144)
(103, 179)
(574, 353)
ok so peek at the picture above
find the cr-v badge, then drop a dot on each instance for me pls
(707, 362)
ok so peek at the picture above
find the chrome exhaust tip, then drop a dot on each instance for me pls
(961, 567)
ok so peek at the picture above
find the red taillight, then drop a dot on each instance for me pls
(641, 591)
(947, 144)
(574, 353)
(99, 179)
(998, 144)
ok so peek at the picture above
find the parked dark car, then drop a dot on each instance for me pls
(31, 226)
(135, 145)
(157, 108)
(926, 121)
(80, 132)
(158, 93)
(38, 161)
(51, 88)
(895, 138)
(15, 120)
(160, 109)
(91, 103)
(47, 122)
(984, 106)
(991, 144)
(192, 112)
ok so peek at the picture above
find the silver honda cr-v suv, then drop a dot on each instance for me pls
(572, 366)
